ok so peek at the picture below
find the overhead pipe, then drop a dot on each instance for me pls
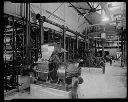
(44, 19)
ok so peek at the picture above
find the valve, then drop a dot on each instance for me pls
(40, 18)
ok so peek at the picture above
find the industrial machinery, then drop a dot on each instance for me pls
(92, 61)
(50, 71)
(16, 50)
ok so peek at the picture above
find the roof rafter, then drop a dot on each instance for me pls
(80, 12)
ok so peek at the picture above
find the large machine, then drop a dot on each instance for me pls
(50, 71)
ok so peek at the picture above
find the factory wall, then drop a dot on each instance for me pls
(62, 14)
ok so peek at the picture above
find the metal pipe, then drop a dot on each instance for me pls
(73, 49)
(13, 37)
(27, 33)
(64, 45)
(68, 47)
(77, 45)
(30, 57)
(48, 36)
(103, 48)
(43, 18)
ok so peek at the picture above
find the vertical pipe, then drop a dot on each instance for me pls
(77, 46)
(13, 48)
(84, 58)
(125, 49)
(41, 34)
(5, 54)
(121, 48)
(103, 49)
(68, 47)
(64, 45)
(21, 9)
(95, 48)
(29, 37)
(84, 43)
(27, 34)
(23, 34)
(73, 48)
(48, 36)
(103, 46)
(36, 46)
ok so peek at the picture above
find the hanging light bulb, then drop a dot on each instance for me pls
(105, 19)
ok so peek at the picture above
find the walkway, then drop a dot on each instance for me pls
(112, 84)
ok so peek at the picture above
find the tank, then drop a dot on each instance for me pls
(52, 72)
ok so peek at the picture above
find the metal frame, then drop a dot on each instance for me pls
(43, 19)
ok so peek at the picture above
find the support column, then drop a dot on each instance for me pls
(68, 47)
(64, 45)
(48, 36)
(103, 36)
(84, 44)
(122, 64)
(41, 34)
(73, 49)
(125, 49)
(77, 46)
(27, 34)
(95, 48)
(103, 48)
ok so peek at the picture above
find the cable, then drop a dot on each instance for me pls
(55, 10)
(32, 8)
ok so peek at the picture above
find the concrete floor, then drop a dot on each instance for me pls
(112, 84)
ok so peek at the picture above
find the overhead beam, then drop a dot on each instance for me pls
(89, 5)
(80, 12)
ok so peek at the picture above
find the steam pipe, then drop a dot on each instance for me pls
(44, 19)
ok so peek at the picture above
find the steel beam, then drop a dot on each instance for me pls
(89, 5)
(80, 13)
